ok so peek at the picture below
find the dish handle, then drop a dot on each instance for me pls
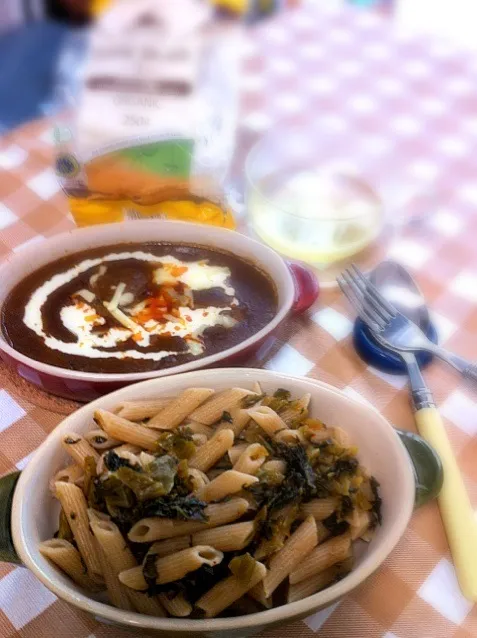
(7, 548)
(427, 466)
(306, 284)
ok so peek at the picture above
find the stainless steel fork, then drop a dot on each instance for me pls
(393, 327)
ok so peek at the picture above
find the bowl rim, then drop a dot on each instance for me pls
(258, 619)
(128, 377)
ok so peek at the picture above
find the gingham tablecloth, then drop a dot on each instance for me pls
(417, 103)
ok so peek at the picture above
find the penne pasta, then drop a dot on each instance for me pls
(209, 453)
(325, 555)
(126, 431)
(228, 482)
(276, 465)
(99, 440)
(229, 538)
(175, 566)
(180, 408)
(171, 545)
(155, 529)
(236, 451)
(71, 474)
(133, 578)
(296, 548)
(291, 437)
(211, 411)
(197, 479)
(74, 505)
(267, 419)
(144, 604)
(239, 420)
(140, 410)
(288, 415)
(320, 508)
(199, 428)
(117, 593)
(177, 606)
(251, 459)
(233, 473)
(311, 585)
(78, 448)
(65, 556)
(227, 591)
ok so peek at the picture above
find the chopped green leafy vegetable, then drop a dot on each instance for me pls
(281, 393)
(88, 481)
(226, 416)
(242, 567)
(113, 462)
(335, 526)
(186, 508)
(251, 399)
(178, 442)
(64, 529)
(377, 503)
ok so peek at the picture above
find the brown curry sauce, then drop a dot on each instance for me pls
(254, 291)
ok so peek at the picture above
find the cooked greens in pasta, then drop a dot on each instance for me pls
(210, 503)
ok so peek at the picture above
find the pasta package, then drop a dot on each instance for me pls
(151, 132)
(170, 526)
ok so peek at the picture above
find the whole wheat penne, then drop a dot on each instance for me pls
(341, 437)
(117, 593)
(199, 439)
(209, 453)
(176, 606)
(228, 538)
(288, 415)
(236, 451)
(171, 545)
(117, 552)
(127, 448)
(257, 388)
(240, 419)
(258, 594)
(126, 431)
(140, 410)
(320, 508)
(197, 479)
(133, 578)
(227, 591)
(68, 559)
(321, 435)
(211, 411)
(177, 565)
(71, 474)
(311, 585)
(251, 459)
(359, 524)
(228, 482)
(144, 604)
(78, 448)
(322, 531)
(296, 548)
(99, 440)
(290, 437)
(156, 529)
(180, 408)
(267, 419)
(325, 555)
(74, 505)
(199, 428)
(276, 465)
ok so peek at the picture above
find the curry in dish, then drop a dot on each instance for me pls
(137, 307)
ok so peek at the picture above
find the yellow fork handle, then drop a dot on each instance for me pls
(457, 514)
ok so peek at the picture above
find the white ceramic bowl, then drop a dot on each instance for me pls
(35, 513)
(297, 289)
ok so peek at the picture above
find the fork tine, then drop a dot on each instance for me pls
(374, 291)
(368, 296)
(367, 313)
(358, 307)
(372, 308)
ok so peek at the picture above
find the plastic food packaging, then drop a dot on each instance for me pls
(151, 129)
